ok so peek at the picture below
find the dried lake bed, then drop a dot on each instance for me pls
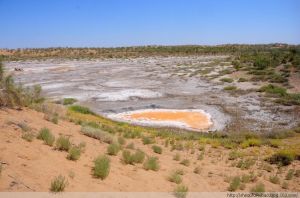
(113, 86)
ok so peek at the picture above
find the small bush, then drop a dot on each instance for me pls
(285, 185)
(138, 156)
(282, 157)
(273, 89)
(181, 191)
(58, 184)
(197, 170)
(151, 164)
(230, 88)
(234, 184)
(113, 149)
(148, 140)
(127, 157)
(46, 136)
(274, 143)
(69, 101)
(101, 167)
(24, 126)
(176, 157)
(233, 155)
(245, 164)
(175, 177)
(80, 109)
(63, 143)
(260, 187)
(157, 149)
(290, 174)
(97, 134)
(228, 80)
(274, 179)
(130, 146)
(121, 140)
(251, 143)
(185, 162)
(28, 136)
(74, 153)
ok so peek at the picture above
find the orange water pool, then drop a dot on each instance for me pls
(196, 120)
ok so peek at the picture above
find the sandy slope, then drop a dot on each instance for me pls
(30, 166)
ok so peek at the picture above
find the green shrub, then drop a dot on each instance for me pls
(151, 164)
(290, 174)
(113, 149)
(274, 179)
(58, 184)
(121, 140)
(46, 136)
(97, 134)
(185, 162)
(234, 184)
(230, 88)
(69, 101)
(245, 164)
(274, 143)
(228, 80)
(282, 157)
(101, 167)
(63, 143)
(260, 187)
(273, 89)
(28, 136)
(74, 153)
(181, 191)
(251, 143)
(127, 157)
(233, 155)
(148, 140)
(175, 177)
(138, 156)
(80, 109)
(157, 149)
(130, 146)
(176, 157)
(285, 185)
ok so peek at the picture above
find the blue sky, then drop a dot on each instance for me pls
(105, 23)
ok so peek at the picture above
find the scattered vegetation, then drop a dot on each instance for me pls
(230, 88)
(113, 149)
(148, 140)
(74, 153)
(181, 191)
(69, 101)
(97, 134)
(282, 157)
(260, 187)
(185, 162)
(175, 177)
(176, 157)
(234, 184)
(274, 179)
(28, 136)
(63, 143)
(151, 164)
(157, 149)
(228, 80)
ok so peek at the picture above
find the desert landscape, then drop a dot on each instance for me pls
(129, 98)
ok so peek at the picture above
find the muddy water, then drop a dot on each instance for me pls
(121, 85)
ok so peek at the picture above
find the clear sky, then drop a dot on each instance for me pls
(106, 23)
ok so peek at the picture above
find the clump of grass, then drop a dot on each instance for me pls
(285, 185)
(197, 170)
(24, 126)
(138, 156)
(46, 136)
(290, 174)
(129, 158)
(242, 80)
(230, 88)
(273, 89)
(282, 157)
(101, 167)
(185, 162)
(157, 149)
(234, 184)
(176, 157)
(175, 177)
(245, 164)
(63, 143)
(97, 134)
(233, 155)
(69, 101)
(260, 187)
(28, 136)
(228, 80)
(274, 179)
(151, 164)
(58, 184)
(200, 156)
(80, 109)
(113, 149)
(121, 140)
(148, 140)
(274, 143)
(74, 153)
(251, 143)
(181, 191)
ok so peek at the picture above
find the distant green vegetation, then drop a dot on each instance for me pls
(69, 101)
(81, 109)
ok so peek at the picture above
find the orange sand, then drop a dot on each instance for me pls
(195, 120)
